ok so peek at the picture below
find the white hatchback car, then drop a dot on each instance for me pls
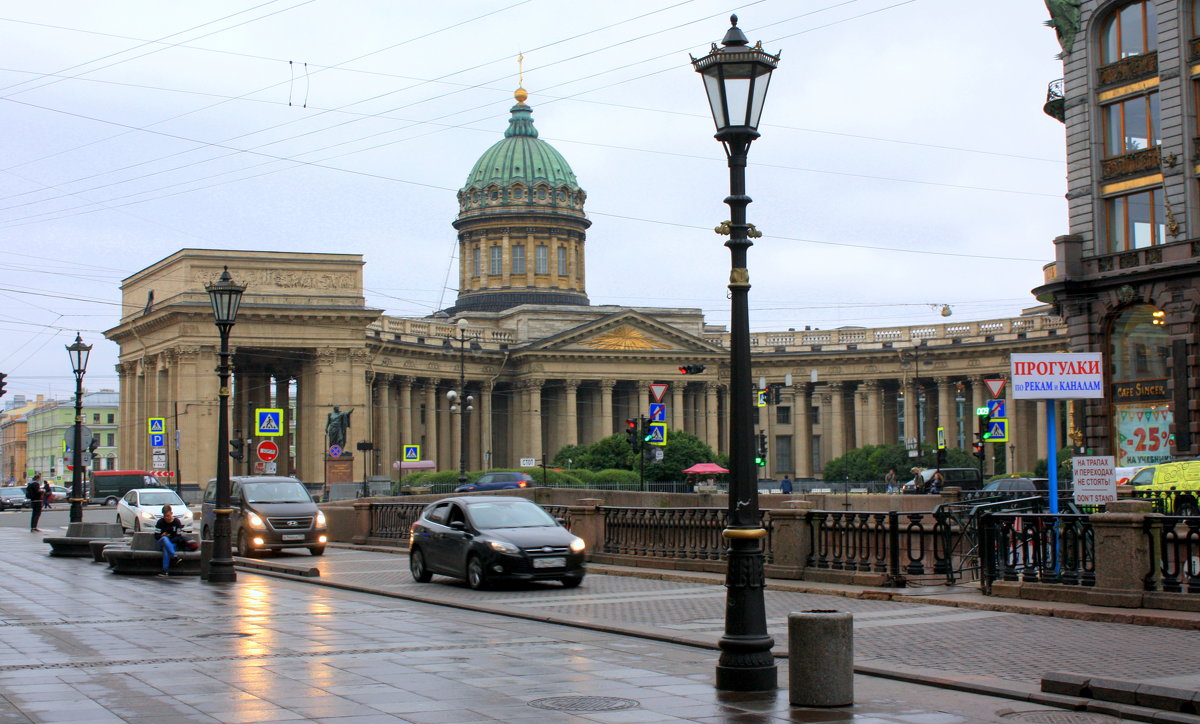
(141, 508)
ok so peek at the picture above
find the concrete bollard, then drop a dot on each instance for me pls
(821, 658)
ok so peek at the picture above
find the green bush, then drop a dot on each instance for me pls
(616, 475)
(582, 475)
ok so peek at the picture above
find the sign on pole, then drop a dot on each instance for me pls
(268, 422)
(267, 451)
(528, 462)
(760, 398)
(997, 430)
(1058, 376)
(156, 424)
(658, 412)
(995, 386)
(941, 438)
(1095, 481)
(657, 390)
(658, 433)
(412, 453)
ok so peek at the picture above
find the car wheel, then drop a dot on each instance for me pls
(572, 582)
(476, 578)
(243, 545)
(416, 566)
(1187, 506)
(137, 525)
(123, 528)
(316, 550)
(110, 501)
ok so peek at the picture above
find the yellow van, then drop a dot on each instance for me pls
(1182, 477)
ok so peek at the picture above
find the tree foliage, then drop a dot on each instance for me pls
(871, 462)
(682, 450)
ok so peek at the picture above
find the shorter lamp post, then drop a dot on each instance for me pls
(79, 358)
(226, 296)
(465, 406)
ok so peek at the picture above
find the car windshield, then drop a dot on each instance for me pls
(160, 497)
(283, 492)
(514, 514)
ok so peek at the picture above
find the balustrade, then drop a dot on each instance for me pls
(1038, 548)
(393, 520)
(1177, 567)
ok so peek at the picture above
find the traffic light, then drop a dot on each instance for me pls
(977, 447)
(760, 457)
(2, 383)
(776, 394)
(984, 414)
(691, 369)
(631, 432)
(647, 433)
(235, 449)
(95, 443)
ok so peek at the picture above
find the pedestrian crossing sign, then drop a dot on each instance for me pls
(157, 425)
(760, 398)
(997, 430)
(412, 453)
(269, 422)
(658, 433)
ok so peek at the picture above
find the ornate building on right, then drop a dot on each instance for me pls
(1126, 279)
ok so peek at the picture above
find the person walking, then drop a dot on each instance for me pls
(890, 479)
(47, 495)
(785, 485)
(33, 491)
(168, 531)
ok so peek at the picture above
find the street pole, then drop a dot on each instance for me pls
(460, 401)
(79, 357)
(736, 78)
(225, 296)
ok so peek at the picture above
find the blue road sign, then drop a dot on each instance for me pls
(335, 451)
(996, 408)
(412, 453)
(156, 424)
(658, 412)
(269, 422)
(997, 430)
(158, 440)
(658, 433)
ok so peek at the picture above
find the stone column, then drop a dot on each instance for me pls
(283, 401)
(1122, 550)
(837, 420)
(675, 411)
(384, 438)
(571, 413)
(862, 406)
(604, 425)
(533, 391)
(711, 421)
(432, 441)
(947, 412)
(402, 432)
(483, 456)
(803, 432)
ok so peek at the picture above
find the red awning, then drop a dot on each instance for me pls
(706, 469)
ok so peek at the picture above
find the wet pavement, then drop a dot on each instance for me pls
(80, 644)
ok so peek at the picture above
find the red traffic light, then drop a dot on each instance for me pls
(630, 424)
(691, 369)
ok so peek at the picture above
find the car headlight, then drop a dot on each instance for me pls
(578, 545)
(503, 546)
(254, 521)
(320, 519)
(147, 515)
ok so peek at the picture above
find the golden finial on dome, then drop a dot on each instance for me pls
(521, 94)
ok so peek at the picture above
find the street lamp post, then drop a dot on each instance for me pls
(79, 358)
(225, 296)
(466, 406)
(736, 78)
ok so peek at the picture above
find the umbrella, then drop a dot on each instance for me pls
(706, 469)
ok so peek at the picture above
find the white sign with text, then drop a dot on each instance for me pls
(1063, 376)
(1095, 481)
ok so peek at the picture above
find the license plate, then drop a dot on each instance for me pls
(549, 562)
(293, 536)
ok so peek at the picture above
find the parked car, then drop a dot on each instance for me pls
(270, 513)
(12, 498)
(489, 538)
(139, 509)
(1033, 486)
(497, 481)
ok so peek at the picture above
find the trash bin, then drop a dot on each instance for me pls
(821, 658)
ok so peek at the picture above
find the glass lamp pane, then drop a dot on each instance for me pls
(712, 86)
(758, 98)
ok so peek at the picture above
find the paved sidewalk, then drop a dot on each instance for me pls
(80, 644)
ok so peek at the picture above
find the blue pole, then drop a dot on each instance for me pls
(1052, 453)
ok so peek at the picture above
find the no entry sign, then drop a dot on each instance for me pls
(267, 451)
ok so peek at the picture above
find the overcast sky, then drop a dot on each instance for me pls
(905, 162)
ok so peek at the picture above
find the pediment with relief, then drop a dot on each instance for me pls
(624, 338)
(627, 332)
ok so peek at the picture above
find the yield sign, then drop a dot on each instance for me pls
(995, 386)
(657, 390)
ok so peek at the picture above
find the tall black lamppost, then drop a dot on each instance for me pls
(225, 296)
(79, 359)
(736, 78)
(465, 406)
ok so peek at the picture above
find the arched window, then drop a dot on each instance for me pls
(1139, 348)
(1132, 30)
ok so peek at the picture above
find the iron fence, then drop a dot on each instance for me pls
(392, 520)
(855, 541)
(687, 533)
(1037, 548)
(1175, 558)
(1171, 502)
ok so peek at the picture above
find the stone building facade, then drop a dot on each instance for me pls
(1127, 276)
(545, 368)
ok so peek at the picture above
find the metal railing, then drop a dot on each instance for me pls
(392, 520)
(1037, 548)
(858, 541)
(1177, 502)
(687, 533)
(1175, 554)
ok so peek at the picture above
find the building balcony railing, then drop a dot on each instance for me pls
(1126, 70)
(1056, 101)
(1134, 163)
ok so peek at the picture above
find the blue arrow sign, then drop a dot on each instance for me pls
(658, 412)
(996, 408)
(412, 453)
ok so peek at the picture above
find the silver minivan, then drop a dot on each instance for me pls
(270, 513)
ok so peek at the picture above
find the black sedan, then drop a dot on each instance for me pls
(12, 498)
(484, 539)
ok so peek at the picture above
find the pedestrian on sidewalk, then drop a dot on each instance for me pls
(785, 485)
(169, 534)
(33, 491)
(47, 495)
(890, 479)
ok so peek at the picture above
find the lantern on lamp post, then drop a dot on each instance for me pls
(79, 358)
(226, 296)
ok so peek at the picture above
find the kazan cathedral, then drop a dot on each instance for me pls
(543, 368)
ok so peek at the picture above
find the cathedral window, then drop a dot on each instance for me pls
(495, 261)
(1132, 30)
(518, 259)
(541, 259)
(475, 265)
(562, 261)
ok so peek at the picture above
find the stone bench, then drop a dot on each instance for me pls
(143, 556)
(77, 542)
